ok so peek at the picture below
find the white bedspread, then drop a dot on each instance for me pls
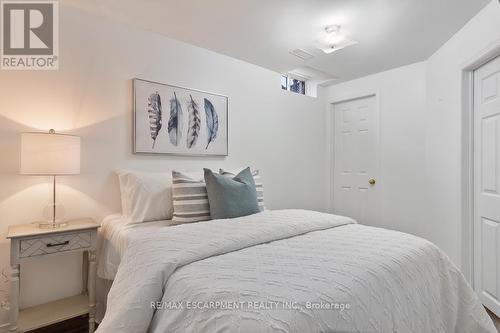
(376, 280)
(114, 237)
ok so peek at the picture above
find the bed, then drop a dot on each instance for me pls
(114, 236)
(281, 271)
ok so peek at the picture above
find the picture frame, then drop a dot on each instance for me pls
(174, 120)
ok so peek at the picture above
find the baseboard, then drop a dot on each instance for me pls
(4, 328)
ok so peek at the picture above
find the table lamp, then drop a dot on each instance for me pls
(50, 154)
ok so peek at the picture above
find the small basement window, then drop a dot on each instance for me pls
(293, 84)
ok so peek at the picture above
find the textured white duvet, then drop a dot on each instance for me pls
(288, 271)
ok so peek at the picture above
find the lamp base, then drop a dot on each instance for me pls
(52, 225)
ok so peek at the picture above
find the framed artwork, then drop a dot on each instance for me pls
(181, 121)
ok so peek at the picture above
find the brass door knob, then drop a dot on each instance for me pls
(372, 181)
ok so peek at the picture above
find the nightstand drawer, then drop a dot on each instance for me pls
(52, 244)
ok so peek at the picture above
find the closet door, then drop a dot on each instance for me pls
(355, 158)
(487, 184)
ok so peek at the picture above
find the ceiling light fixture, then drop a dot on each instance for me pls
(333, 34)
(334, 39)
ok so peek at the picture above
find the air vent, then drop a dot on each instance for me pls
(299, 53)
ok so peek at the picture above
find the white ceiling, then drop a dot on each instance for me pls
(390, 33)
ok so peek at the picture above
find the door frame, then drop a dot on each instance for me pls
(330, 137)
(467, 155)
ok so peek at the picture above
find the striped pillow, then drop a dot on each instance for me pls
(190, 199)
(258, 184)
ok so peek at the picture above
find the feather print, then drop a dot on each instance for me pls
(175, 121)
(194, 124)
(154, 111)
(212, 122)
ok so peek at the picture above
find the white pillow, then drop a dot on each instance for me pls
(145, 196)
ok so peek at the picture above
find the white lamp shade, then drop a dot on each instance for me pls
(50, 154)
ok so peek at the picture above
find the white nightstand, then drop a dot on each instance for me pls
(27, 241)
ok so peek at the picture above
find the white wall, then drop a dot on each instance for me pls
(421, 123)
(443, 123)
(91, 95)
(400, 179)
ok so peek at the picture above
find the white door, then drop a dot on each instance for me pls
(354, 159)
(487, 184)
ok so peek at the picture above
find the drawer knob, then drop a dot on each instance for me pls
(58, 244)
